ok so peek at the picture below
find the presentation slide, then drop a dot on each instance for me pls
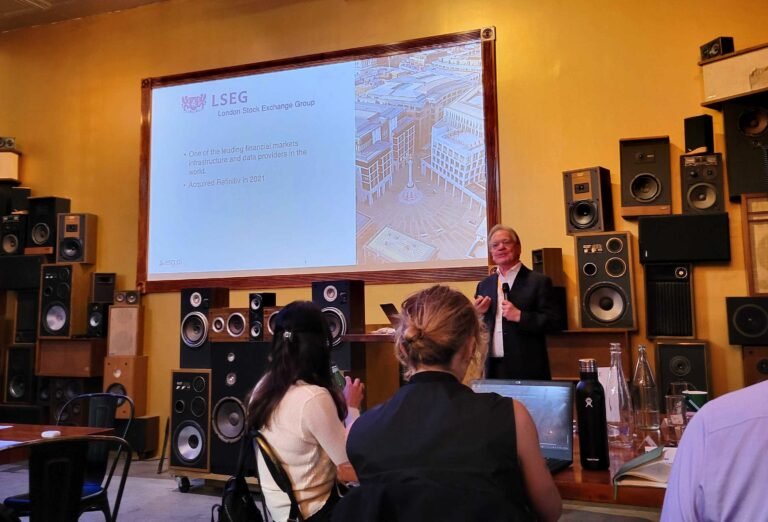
(361, 165)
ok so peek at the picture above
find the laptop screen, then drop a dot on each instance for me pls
(551, 406)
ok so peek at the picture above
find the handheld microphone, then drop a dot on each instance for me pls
(505, 290)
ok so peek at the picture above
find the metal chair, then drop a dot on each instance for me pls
(57, 476)
(98, 470)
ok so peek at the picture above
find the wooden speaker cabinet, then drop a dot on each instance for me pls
(754, 209)
(126, 330)
(127, 375)
(566, 348)
(70, 357)
(755, 360)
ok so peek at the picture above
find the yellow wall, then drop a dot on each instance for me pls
(573, 78)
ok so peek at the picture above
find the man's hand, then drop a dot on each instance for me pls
(353, 392)
(510, 312)
(482, 303)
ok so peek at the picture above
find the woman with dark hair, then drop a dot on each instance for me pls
(301, 413)
(437, 450)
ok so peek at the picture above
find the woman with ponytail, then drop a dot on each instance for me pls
(437, 450)
(302, 414)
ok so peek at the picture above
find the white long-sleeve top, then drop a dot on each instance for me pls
(310, 441)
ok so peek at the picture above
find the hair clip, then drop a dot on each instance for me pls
(287, 336)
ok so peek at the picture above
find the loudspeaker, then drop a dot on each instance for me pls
(20, 384)
(102, 287)
(746, 144)
(43, 394)
(235, 370)
(24, 414)
(7, 143)
(78, 357)
(127, 297)
(20, 272)
(142, 434)
(64, 389)
(195, 346)
(699, 136)
(701, 184)
(549, 261)
(717, 47)
(669, 300)
(606, 281)
(588, 200)
(682, 361)
(646, 187)
(343, 304)
(127, 375)
(256, 304)
(9, 169)
(754, 209)
(685, 238)
(747, 320)
(270, 315)
(229, 324)
(190, 413)
(755, 359)
(76, 238)
(25, 316)
(13, 234)
(20, 199)
(41, 227)
(98, 319)
(125, 335)
(63, 293)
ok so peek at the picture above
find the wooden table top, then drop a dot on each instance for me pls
(576, 483)
(30, 432)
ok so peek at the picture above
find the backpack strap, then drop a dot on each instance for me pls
(279, 475)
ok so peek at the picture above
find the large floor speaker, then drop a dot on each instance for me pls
(606, 280)
(76, 238)
(746, 144)
(701, 184)
(754, 211)
(125, 335)
(257, 301)
(682, 361)
(755, 359)
(20, 383)
(343, 304)
(42, 223)
(646, 188)
(669, 300)
(685, 238)
(26, 308)
(127, 375)
(236, 368)
(195, 345)
(63, 300)
(747, 320)
(190, 414)
(64, 389)
(142, 434)
(588, 200)
(20, 272)
(229, 325)
(13, 235)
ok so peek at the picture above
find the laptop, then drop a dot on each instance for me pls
(391, 312)
(551, 406)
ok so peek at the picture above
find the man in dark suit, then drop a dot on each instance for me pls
(517, 328)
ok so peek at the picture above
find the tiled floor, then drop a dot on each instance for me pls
(150, 497)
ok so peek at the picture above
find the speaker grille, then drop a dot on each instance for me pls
(669, 300)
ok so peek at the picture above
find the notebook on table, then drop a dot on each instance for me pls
(551, 406)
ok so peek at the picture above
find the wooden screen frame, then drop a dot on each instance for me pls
(749, 216)
(487, 39)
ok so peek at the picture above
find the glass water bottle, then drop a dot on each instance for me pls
(619, 413)
(645, 394)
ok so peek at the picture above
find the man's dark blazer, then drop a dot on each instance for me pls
(525, 343)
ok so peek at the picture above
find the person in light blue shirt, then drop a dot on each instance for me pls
(720, 471)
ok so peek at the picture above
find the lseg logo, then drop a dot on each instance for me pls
(193, 103)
